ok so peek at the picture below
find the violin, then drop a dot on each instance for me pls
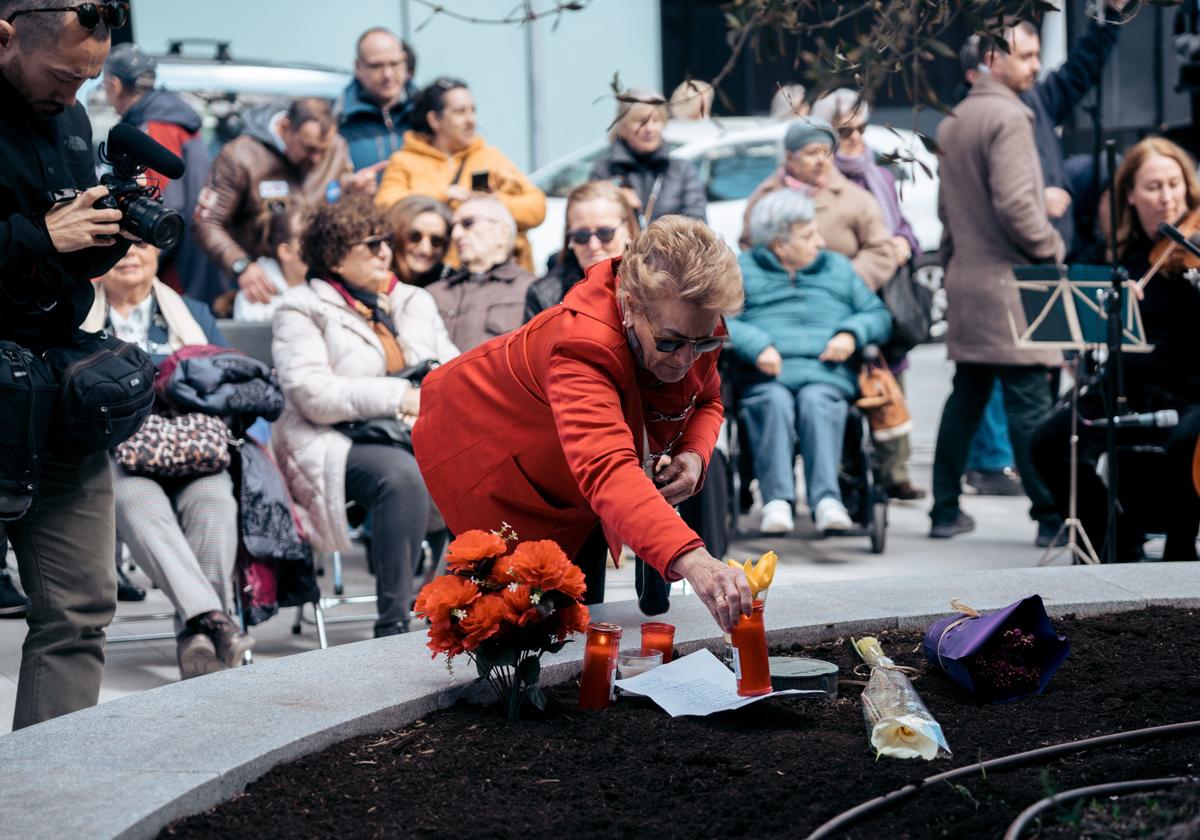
(1166, 255)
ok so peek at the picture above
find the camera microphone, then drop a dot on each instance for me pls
(1164, 419)
(126, 143)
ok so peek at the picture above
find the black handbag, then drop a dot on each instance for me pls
(28, 392)
(911, 305)
(389, 431)
(105, 391)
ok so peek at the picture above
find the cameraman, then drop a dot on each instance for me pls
(48, 256)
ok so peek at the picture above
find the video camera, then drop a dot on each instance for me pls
(131, 152)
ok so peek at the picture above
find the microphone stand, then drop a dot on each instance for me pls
(1114, 382)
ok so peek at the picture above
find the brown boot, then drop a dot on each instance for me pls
(230, 642)
(197, 655)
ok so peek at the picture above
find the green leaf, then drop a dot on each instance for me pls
(928, 142)
(537, 698)
(529, 671)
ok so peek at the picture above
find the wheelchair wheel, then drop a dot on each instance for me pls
(877, 529)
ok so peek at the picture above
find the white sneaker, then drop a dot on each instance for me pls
(777, 517)
(831, 516)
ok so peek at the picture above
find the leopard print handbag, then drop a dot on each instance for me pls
(176, 447)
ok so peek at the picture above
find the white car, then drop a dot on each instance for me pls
(733, 155)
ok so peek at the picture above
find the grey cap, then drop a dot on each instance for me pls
(132, 66)
(807, 130)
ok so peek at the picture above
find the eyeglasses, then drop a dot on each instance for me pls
(846, 131)
(375, 243)
(674, 345)
(114, 13)
(582, 236)
(414, 237)
(467, 222)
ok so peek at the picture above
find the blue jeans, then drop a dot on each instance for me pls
(991, 450)
(775, 419)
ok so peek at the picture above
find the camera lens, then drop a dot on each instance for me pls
(148, 220)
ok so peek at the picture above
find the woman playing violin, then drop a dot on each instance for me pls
(1156, 183)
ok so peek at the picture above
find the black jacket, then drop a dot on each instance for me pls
(44, 295)
(1055, 97)
(550, 289)
(681, 190)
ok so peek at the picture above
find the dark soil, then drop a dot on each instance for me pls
(775, 769)
(1166, 815)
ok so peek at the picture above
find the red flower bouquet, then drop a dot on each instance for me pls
(504, 610)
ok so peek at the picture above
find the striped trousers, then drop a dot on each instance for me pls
(183, 533)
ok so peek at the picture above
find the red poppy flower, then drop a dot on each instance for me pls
(471, 547)
(444, 594)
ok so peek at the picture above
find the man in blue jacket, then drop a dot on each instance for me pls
(376, 108)
(806, 314)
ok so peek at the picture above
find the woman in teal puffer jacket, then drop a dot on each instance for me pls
(806, 314)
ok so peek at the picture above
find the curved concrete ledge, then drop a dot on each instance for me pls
(130, 766)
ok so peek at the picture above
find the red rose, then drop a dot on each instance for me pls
(486, 617)
(543, 565)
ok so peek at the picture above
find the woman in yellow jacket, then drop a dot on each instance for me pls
(445, 159)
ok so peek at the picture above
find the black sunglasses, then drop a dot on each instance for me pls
(114, 13)
(674, 345)
(582, 236)
(375, 243)
(845, 131)
(414, 237)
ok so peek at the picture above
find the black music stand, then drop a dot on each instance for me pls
(1070, 312)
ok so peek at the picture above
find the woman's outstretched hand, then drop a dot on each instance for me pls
(723, 589)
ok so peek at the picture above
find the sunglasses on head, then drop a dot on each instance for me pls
(582, 236)
(375, 243)
(112, 12)
(414, 237)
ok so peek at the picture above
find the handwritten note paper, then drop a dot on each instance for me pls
(697, 684)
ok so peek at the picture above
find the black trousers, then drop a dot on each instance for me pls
(1155, 490)
(387, 482)
(1027, 404)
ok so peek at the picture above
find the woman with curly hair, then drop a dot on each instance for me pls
(338, 342)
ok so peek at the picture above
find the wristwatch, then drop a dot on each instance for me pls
(239, 266)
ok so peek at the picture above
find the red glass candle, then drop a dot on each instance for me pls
(750, 654)
(599, 665)
(659, 636)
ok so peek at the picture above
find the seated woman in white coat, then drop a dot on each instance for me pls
(338, 341)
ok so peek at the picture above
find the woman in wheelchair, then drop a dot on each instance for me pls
(807, 312)
(1156, 183)
(343, 343)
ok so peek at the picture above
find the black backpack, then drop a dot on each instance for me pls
(28, 392)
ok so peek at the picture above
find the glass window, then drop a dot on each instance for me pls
(731, 173)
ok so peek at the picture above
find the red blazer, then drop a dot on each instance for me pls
(542, 428)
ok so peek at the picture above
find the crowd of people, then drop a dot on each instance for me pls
(383, 238)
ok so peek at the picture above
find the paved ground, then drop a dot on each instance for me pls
(1004, 539)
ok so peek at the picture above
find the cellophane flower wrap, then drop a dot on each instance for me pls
(898, 722)
(1000, 657)
(504, 609)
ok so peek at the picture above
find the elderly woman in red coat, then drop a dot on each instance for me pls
(588, 423)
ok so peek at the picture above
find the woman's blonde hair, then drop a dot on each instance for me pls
(637, 96)
(598, 191)
(692, 100)
(680, 258)
(1130, 235)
